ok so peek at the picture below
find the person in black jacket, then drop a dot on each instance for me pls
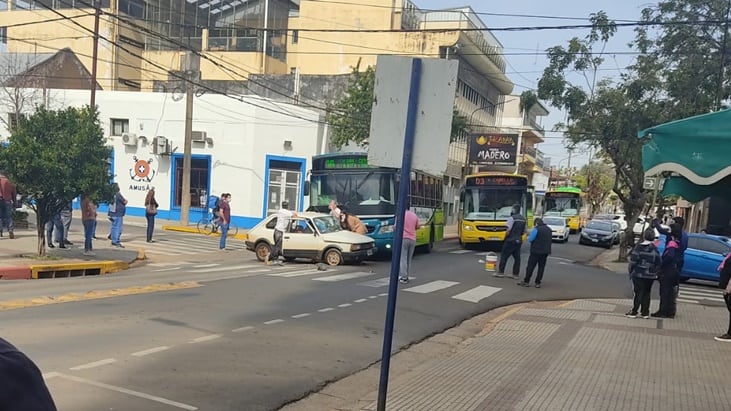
(540, 239)
(669, 274)
(725, 285)
(643, 267)
(22, 386)
(515, 227)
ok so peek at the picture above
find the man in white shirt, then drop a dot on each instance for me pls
(284, 216)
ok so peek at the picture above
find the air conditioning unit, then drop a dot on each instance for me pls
(160, 145)
(198, 136)
(129, 139)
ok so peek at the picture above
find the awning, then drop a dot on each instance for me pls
(698, 148)
(694, 193)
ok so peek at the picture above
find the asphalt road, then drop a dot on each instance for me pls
(232, 334)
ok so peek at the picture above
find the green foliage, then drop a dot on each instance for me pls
(528, 99)
(596, 179)
(54, 156)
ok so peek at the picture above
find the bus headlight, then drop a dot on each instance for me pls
(467, 227)
(385, 229)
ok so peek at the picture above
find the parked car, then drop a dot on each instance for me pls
(598, 232)
(559, 227)
(618, 232)
(314, 236)
(643, 223)
(703, 255)
(620, 218)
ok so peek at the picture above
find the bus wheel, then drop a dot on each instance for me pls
(430, 246)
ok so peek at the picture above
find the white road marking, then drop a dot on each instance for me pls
(301, 315)
(129, 392)
(476, 294)
(343, 277)
(561, 259)
(150, 351)
(289, 274)
(431, 287)
(204, 338)
(270, 322)
(344, 305)
(238, 330)
(382, 294)
(206, 265)
(51, 374)
(167, 269)
(381, 282)
(372, 297)
(691, 294)
(94, 364)
(360, 300)
(683, 300)
(460, 251)
(324, 310)
(228, 268)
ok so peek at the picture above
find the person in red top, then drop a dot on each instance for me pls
(411, 224)
(7, 204)
(224, 214)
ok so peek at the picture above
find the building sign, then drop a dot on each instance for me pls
(493, 149)
(141, 174)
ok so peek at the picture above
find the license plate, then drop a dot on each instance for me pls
(595, 240)
(493, 239)
(369, 252)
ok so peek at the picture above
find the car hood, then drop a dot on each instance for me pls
(348, 237)
(595, 231)
(556, 227)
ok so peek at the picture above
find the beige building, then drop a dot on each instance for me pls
(525, 122)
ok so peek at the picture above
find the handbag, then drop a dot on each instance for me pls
(151, 209)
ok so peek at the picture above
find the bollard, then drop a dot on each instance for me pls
(490, 261)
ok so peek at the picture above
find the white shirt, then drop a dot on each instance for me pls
(283, 217)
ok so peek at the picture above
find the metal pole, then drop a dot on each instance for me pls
(187, 150)
(409, 137)
(97, 11)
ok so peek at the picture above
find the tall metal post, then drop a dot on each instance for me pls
(97, 12)
(409, 137)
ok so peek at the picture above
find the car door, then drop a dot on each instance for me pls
(300, 240)
(710, 254)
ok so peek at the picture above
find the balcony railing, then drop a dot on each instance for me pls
(528, 121)
(531, 151)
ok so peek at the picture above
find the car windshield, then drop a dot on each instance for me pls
(326, 224)
(599, 225)
(555, 221)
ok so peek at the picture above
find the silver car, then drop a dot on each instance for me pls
(559, 228)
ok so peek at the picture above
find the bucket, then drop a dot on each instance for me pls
(490, 261)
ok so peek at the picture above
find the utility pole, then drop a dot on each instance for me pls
(97, 12)
(191, 67)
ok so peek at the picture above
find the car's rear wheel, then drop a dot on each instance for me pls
(333, 257)
(262, 250)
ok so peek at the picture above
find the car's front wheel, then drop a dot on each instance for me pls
(333, 257)
(262, 250)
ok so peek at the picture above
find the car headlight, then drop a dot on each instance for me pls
(559, 231)
(608, 237)
(385, 229)
(356, 247)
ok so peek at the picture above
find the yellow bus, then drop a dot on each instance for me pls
(564, 202)
(486, 200)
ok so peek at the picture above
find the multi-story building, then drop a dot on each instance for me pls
(526, 122)
(144, 44)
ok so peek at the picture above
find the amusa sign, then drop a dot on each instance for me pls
(493, 149)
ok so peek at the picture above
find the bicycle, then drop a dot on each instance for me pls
(209, 225)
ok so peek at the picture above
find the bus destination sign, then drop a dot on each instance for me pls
(496, 181)
(339, 163)
(562, 194)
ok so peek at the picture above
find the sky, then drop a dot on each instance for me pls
(525, 50)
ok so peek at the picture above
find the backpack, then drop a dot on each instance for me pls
(213, 202)
(644, 262)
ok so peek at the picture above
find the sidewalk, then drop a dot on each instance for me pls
(573, 355)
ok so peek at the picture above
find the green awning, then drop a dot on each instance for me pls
(698, 148)
(694, 193)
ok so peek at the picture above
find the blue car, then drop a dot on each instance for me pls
(703, 255)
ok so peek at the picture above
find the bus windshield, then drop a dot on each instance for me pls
(491, 205)
(363, 193)
(565, 207)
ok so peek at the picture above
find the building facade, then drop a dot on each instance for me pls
(252, 148)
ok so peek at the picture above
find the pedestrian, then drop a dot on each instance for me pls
(88, 219)
(352, 223)
(117, 210)
(540, 239)
(515, 228)
(723, 283)
(151, 206)
(23, 386)
(408, 244)
(66, 216)
(8, 198)
(284, 216)
(224, 215)
(55, 223)
(93, 227)
(643, 268)
(334, 209)
(669, 275)
(682, 241)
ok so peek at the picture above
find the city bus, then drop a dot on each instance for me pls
(486, 200)
(370, 193)
(565, 202)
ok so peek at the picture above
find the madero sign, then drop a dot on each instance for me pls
(493, 149)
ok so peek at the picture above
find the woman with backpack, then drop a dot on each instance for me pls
(643, 268)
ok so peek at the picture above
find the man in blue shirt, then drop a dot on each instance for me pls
(540, 239)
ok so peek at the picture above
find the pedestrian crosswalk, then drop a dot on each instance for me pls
(697, 294)
(183, 245)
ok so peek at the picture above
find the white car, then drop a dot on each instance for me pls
(314, 236)
(646, 222)
(559, 227)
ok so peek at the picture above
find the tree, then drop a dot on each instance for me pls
(350, 117)
(53, 157)
(600, 113)
(596, 179)
(20, 90)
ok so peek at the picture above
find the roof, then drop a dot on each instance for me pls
(15, 63)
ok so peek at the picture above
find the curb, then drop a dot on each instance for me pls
(194, 230)
(15, 273)
(76, 269)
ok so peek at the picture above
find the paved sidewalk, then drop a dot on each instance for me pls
(578, 355)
